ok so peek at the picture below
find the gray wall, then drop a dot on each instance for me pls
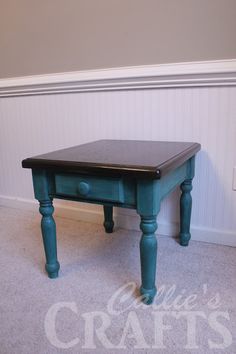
(45, 36)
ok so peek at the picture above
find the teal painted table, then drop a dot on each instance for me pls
(123, 173)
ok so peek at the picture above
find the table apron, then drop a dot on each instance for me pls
(121, 191)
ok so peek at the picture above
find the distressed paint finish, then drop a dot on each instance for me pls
(90, 187)
(48, 228)
(148, 206)
(142, 193)
(185, 212)
(42, 184)
(149, 197)
(148, 258)
(186, 204)
(108, 218)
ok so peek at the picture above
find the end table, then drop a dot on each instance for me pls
(124, 173)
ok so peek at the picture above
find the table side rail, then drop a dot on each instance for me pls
(170, 181)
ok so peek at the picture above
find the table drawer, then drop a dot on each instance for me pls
(90, 188)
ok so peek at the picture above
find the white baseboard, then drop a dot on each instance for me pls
(122, 220)
(198, 233)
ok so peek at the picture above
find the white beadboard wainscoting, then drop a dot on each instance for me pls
(37, 124)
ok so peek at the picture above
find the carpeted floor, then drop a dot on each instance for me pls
(94, 265)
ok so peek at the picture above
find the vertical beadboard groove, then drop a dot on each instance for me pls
(35, 125)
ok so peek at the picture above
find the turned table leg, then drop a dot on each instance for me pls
(108, 218)
(48, 227)
(185, 212)
(148, 256)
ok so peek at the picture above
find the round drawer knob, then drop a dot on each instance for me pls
(84, 188)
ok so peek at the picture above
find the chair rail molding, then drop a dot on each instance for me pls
(187, 74)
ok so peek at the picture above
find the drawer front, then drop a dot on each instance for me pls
(90, 188)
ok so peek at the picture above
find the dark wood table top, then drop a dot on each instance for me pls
(149, 159)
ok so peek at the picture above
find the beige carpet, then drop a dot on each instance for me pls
(94, 265)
